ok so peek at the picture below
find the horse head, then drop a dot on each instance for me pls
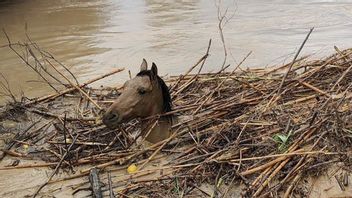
(143, 96)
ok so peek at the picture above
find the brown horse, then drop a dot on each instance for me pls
(144, 96)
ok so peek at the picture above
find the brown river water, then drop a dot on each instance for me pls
(92, 37)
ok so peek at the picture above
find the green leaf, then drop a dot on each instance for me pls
(280, 138)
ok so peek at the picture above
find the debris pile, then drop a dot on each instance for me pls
(264, 128)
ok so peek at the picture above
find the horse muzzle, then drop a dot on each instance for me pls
(111, 119)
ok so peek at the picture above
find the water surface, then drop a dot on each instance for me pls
(92, 37)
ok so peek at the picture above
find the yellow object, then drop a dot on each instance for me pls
(132, 169)
(98, 120)
(68, 140)
(25, 146)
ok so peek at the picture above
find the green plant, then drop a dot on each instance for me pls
(282, 140)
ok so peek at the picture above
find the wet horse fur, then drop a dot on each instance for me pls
(146, 96)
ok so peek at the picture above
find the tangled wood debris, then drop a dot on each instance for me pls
(237, 127)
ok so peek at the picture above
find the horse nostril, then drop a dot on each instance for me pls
(111, 117)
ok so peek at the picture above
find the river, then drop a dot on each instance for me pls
(92, 37)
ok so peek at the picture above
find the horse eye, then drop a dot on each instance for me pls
(141, 91)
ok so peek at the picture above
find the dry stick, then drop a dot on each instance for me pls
(243, 128)
(57, 167)
(48, 55)
(342, 187)
(202, 59)
(62, 65)
(266, 182)
(111, 192)
(292, 148)
(282, 164)
(15, 154)
(81, 143)
(28, 166)
(299, 166)
(314, 88)
(275, 69)
(65, 129)
(344, 73)
(248, 84)
(223, 19)
(86, 172)
(7, 89)
(207, 54)
(294, 181)
(299, 100)
(117, 160)
(53, 96)
(268, 165)
(148, 132)
(74, 85)
(311, 72)
(37, 62)
(184, 86)
(8, 146)
(42, 113)
(58, 156)
(156, 151)
(210, 76)
(289, 189)
(294, 60)
(258, 179)
(27, 63)
(140, 173)
(194, 78)
(220, 84)
(286, 155)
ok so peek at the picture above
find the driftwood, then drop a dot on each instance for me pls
(95, 183)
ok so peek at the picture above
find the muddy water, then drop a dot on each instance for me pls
(92, 37)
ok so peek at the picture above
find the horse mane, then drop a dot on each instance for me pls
(167, 103)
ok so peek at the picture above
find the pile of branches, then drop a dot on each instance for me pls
(261, 128)
(264, 128)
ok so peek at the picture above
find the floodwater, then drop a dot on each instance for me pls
(92, 37)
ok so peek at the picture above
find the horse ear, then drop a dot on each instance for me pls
(144, 65)
(154, 70)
